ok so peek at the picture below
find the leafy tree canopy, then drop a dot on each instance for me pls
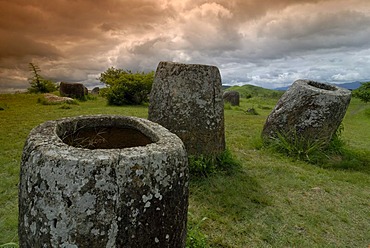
(125, 87)
(363, 92)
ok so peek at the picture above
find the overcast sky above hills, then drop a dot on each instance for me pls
(269, 43)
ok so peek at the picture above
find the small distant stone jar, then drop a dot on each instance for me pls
(187, 100)
(232, 97)
(309, 110)
(103, 181)
(74, 90)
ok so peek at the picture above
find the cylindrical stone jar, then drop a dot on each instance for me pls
(309, 110)
(232, 97)
(187, 100)
(103, 181)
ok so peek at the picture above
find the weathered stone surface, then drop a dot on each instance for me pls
(95, 91)
(77, 197)
(232, 97)
(74, 90)
(51, 98)
(187, 99)
(308, 109)
(86, 90)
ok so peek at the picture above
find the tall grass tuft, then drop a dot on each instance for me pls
(195, 238)
(203, 166)
(310, 150)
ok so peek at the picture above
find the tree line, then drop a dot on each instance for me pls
(124, 87)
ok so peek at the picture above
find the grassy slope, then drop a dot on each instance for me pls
(251, 90)
(276, 202)
(271, 202)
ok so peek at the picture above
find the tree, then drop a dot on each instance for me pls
(363, 92)
(125, 87)
(38, 83)
(111, 76)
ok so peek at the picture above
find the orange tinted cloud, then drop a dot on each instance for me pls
(76, 40)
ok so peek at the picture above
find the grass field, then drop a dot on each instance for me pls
(271, 201)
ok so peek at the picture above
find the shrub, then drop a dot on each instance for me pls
(103, 92)
(363, 92)
(125, 87)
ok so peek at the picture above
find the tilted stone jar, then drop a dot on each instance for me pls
(103, 181)
(309, 110)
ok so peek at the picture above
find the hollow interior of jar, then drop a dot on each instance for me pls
(321, 85)
(102, 137)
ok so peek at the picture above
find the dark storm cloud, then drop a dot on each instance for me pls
(269, 42)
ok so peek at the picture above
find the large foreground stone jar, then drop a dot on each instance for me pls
(103, 181)
(309, 110)
(187, 99)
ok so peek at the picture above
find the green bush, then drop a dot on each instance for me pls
(125, 87)
(363, 92)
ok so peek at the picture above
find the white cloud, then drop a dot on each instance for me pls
(268, 43)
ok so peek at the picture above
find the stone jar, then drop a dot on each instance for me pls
(103, 181)
(233, 97)
(74, 90)
(309, 110)
(187, 100)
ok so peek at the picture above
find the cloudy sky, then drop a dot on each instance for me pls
(269, 43)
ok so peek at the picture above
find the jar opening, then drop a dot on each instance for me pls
(321, 86)
(103, 137)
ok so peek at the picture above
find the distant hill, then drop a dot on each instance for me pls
(248, 91)
(349, 86)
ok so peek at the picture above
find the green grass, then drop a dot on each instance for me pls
(269, 201)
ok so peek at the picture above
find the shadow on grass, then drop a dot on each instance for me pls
(349, 160)
(233, 196)
(225, 203)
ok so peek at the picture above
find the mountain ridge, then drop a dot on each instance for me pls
(348, 86)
